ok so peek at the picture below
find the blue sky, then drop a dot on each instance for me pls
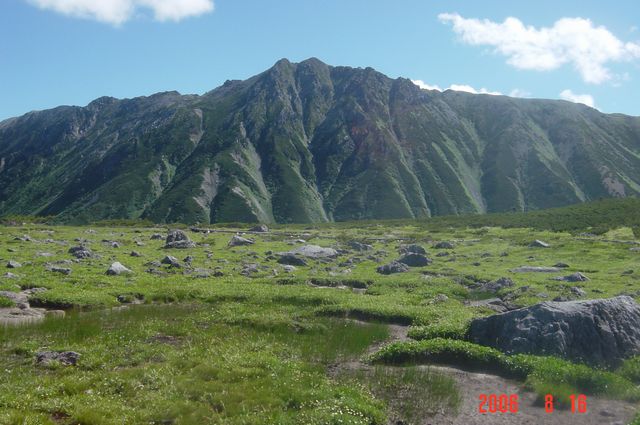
(61, 52)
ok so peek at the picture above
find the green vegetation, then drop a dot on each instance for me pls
(212, 343)
(412, 393)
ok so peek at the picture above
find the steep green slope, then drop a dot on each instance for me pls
(310, 143)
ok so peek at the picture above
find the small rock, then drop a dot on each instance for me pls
(13, 265)
(359, 246)
(288, 268)
(135, 254)
(63, 270)
(539, 244)
(412, 249)
(535, 269)
(393, 267)
(578, 292)
(80, 252)
(239, 241)
(10, 275)
(291, 260)
(496, 285)
(68, 358)
(156, 236)
(115, 245)
(561, 265)
(179, 240)
(440, 298)
(188, 259)
(261, 228)
(444, 245)
(171, 261)
(117, 269)
(576, 277)
(314, 251)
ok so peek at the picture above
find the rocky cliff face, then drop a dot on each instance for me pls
(309, 142)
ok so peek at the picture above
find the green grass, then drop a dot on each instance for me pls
(278, 318)
(412, 393)
(182, 363)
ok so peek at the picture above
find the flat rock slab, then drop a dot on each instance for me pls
(313, 251)
(535, 269)
(598, 332)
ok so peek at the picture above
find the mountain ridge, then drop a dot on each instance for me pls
(309, 142)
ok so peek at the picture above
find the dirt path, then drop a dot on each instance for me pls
(599, 411)
(471, 385)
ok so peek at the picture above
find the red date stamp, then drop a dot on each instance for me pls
(508, 403)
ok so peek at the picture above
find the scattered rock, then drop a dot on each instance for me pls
(188, 259)
(157, 236)
(57, 269)
(535, 269)
(179, 240)
(359, 246)
(171, 261)
(444, 245)
(117, 269)
(576, 277)
(13, 264)
(494, 286)
(539, 244)
(239, 241)
(578, 292)
(600, 332)
(80, 252)
(10, 275)
(561, 265)
(291, 260)
(412, 249)
(260, 228)
(393, 267)
(135, 254)
(115, 245)
(415, 260)
(314, 251)
(288, 268)
(67, 358)
(249, 269)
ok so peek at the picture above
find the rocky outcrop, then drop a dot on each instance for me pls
(598, 332)
(178, 239)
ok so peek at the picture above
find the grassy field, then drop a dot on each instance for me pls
(204, 343)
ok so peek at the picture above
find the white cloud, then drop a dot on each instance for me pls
(426, 86)
(117, 12)
(519, 93)
(574, 41)
(456, 87)
(469, 89)
(585, 99)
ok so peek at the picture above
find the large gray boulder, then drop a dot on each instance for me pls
(598, 332)
(415, 260)
(178, 239)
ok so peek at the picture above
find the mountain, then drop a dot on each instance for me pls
(309, 142)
